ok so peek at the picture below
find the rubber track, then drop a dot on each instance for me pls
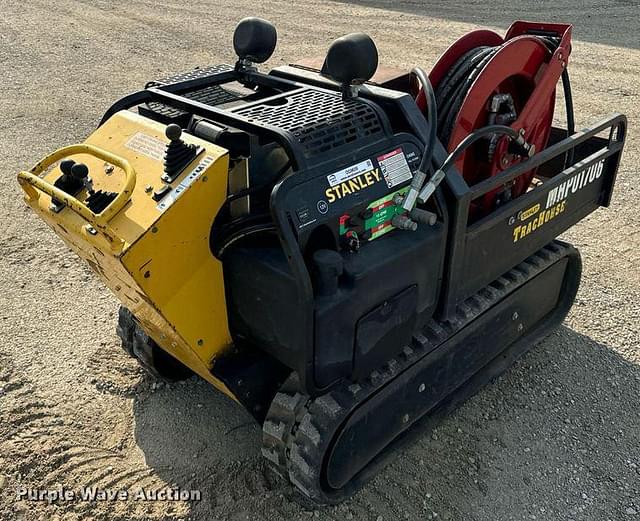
(136, 342)
(298, 430)
(159, 364)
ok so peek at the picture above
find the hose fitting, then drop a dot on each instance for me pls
(431, 185)
(520, 146)
(423, 216)
(409, 201)
(402, 222)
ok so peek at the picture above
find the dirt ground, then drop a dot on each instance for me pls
(558, 437)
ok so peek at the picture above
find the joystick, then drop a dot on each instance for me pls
(178, 154)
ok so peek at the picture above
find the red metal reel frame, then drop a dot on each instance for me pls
(530, 115)
(514, 69)
(447, 59)
(522, 56)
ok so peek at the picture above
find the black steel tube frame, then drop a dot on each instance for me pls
(460, 195)
(170, 95)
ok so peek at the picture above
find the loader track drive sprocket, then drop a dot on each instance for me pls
(348, 251)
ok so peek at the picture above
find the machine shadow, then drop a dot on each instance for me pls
(596, 22)
(193, 437)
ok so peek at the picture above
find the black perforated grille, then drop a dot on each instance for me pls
(320, 121)
(192, 74)
(212, 95)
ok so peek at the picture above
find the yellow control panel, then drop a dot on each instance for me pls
(150, 244)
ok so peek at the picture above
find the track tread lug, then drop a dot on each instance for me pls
(355, 389)
(375, 378)
(408, 353)
(310, 431)
(329, 405)
(419, 341)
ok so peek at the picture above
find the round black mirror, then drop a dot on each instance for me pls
(351, 59)
(254, 40)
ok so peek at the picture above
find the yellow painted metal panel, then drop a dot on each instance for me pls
(163, 270)
(176, 270)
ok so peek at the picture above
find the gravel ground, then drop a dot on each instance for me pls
(558, 437)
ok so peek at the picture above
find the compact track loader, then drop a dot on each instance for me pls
(345, 251)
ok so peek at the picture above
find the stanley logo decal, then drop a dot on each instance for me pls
(353, 185)
(531, 211)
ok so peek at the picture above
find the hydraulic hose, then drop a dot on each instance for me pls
(571, 124)
(419, 177)
(475, 136)
(451, 93)
(258, 188)
(230, 232)
(237, 229)
(455, 85)
(431, 117)
(438, 176)
(552, 43)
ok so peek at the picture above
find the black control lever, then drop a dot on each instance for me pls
(178, 154)
(72, 181)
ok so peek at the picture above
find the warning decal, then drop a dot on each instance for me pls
(349, 181)
(150, 146)
(394, 167)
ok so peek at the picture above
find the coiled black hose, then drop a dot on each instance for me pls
(455, 85)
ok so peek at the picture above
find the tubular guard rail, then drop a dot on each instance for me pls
(492, 233)
(33, 184)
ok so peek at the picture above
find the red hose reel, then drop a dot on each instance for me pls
(517, 75)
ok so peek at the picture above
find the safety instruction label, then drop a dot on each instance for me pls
(148, 145)
(394, 167)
